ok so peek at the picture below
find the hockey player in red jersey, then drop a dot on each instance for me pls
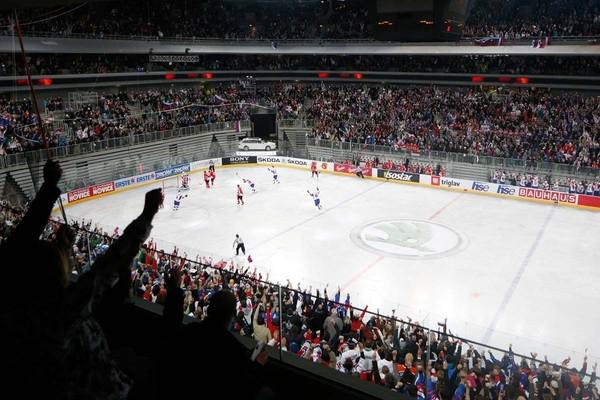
(207, 179)
(213, 176)
(240, 195)
(313, 170)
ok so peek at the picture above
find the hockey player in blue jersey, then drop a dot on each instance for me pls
(250, 183)
(274, 172)
(315, 196)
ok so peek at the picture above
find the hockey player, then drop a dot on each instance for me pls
(207, 179)
(211, 166)
(177, 202)
(359, 172)
(213, 176)
(240, 195)
(249, 183)
(185, 181)
(315, 196)
(313, 170)
(274, 172)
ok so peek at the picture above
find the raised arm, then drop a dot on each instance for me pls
(92, 285)
(32, 225)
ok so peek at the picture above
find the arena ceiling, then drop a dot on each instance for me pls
(25, 4)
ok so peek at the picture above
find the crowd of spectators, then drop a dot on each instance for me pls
(112, 115)
(528, 124)
(517, 19)
(533, 125)
(590, 187)
(42, 64)
(236, 20)
(322, 327)
(332, 19)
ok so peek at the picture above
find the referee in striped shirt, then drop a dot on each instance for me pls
(238, 243)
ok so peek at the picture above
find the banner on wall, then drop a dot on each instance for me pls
(298, 161)
(270, 159)
(560, 197)
(239, 160)
(589, 201)
(134, 180)
(350, 169)
(398, 176)
(451, 182)
(176, 170)
(79, 194)
(103, 188)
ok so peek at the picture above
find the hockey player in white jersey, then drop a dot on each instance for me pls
(274, 172)
(250, 183)
(316, 199)
(177, 202)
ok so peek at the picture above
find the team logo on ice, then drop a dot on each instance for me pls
(408, 238)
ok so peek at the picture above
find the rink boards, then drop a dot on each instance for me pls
(433, 181)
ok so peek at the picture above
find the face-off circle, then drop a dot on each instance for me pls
(408, 238)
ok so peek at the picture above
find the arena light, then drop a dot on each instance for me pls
(504, 79)
(477, 79)
(192, 75)
(323, 75)
(44, 81)
(358, 75)
(169, 77)
(522, 80)
(207, 75)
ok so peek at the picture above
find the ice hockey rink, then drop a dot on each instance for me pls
(501, 271)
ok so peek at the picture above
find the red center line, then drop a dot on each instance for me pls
(363, 271)
(438, 212)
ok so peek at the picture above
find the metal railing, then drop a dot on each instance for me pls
(75, 149)
(268, 41)
(416, 323)
(433, 155)
(442, 156)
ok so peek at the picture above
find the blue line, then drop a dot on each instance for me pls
(515, 282)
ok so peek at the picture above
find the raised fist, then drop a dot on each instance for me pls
(52, 172)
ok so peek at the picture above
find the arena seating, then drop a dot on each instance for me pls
(536, 125)
(347, 19)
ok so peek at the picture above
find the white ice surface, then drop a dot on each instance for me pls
(529, 273)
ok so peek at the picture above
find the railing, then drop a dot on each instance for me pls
(9, 160)
(296, 42)
(487, 161)
(428, 326)
(433, 155)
